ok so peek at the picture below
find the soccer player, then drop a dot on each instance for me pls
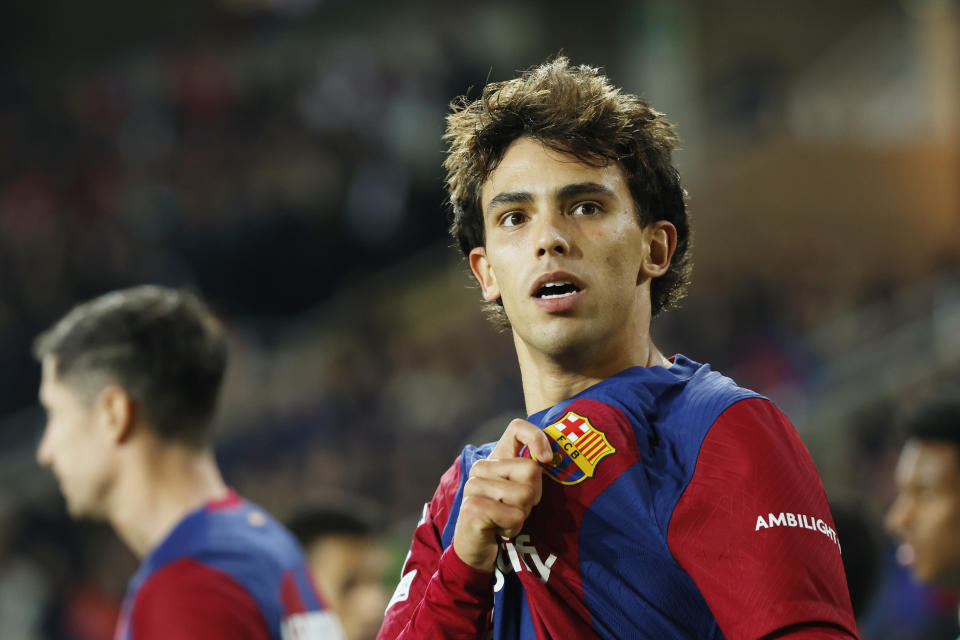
(644, 496)
(926, 512)
(130, 385)
(350, 564)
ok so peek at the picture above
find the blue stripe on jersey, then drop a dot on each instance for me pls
(469, 455)
(664, 601)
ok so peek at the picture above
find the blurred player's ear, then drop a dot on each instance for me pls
(116, 412)
(483, 272)
(660, 238)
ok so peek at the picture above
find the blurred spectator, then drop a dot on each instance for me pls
(349, 563)
(925, 517)
(926, 512)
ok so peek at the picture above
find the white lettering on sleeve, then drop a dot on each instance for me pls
(403, 589)
(426, 512)
(804, 521)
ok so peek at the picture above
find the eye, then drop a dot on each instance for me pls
(586, 209)
(512, 219)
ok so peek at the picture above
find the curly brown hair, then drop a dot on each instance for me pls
(575, 110)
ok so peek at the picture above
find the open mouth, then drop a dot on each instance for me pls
(552, 290)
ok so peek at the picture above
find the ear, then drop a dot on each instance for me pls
(483, 272)
(117, 413)
(660, 238)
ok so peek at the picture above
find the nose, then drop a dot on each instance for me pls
(553, 236)
(897, 516)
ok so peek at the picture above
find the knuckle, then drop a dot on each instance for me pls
(478, 467)
(521, 425)
(471, 505)
(528, 469)
(471, 487)
(529, 496)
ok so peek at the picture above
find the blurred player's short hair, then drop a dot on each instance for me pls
(162, 346)
(937, 418)
(314, 523)
(575, 110)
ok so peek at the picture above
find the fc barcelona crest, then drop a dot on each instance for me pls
(578, 447)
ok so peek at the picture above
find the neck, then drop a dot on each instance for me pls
(160, 483)
(549, 379)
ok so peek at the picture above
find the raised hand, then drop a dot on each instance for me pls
(499, 494)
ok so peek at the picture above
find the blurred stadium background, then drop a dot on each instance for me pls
(282, 157)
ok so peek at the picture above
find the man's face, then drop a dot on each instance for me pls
(74, 445)
(926, 513)
(564, 251)
(350, 572)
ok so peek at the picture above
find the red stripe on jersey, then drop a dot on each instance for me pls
(290, 595)
(189, 599)
(230, 501)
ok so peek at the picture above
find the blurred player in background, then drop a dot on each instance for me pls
(643, 497)
(926, 512)
(130, 386)
(350, 564)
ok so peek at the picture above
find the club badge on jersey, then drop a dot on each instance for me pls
(578, 447)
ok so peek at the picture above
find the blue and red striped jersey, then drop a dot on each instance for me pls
(227, 570)
(677, 505)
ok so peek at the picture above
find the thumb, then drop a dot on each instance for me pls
(520, 434)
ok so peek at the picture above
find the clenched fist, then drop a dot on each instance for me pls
(499, 494)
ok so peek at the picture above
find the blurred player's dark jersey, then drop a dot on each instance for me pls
(677, 505)
(227, 570)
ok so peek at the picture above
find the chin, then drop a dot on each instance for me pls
(80, 510)
(560, 335)
(558, 346)
(75, 510)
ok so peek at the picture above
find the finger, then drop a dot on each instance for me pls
(523, 470)
(519, 434)
(521, 495)
(484, 514)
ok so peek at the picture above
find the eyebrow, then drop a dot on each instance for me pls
(582, 189)
(510, 197)
(563, 193)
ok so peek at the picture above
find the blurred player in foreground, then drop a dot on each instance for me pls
(130, 386)
(350, 564)
(643, 497)
(926, 512)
